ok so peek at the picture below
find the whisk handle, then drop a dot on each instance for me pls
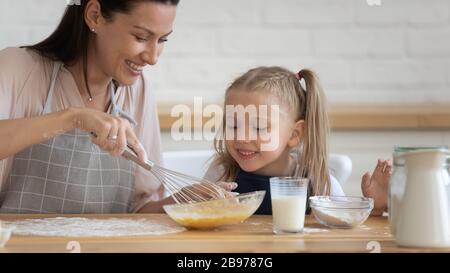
(130, 154)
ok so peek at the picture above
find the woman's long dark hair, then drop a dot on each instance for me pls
(69, 41)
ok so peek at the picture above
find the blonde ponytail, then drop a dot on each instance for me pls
(314, 155)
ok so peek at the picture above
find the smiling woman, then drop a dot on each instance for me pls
(116, 32)
(85, 79)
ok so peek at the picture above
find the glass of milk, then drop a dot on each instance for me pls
(288, 196)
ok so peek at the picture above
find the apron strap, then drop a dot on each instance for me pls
(116, 111)
(49, 100)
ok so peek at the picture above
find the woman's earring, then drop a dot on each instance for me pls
(93, 30)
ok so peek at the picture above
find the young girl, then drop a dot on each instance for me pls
(301, 132)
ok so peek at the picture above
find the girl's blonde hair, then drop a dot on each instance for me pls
(308, 105)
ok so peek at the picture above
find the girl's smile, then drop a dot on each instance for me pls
(246, 154)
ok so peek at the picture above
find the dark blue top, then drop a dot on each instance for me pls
(249, 182)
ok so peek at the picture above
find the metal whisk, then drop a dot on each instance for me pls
(183, 188)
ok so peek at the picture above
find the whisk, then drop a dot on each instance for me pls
(183, 188)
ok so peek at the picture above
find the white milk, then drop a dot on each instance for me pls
(288, 213)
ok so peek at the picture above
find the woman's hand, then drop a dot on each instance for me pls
(111, 134)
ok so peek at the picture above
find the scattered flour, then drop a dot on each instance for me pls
(314, 230)
(255, 223)
(83, 227)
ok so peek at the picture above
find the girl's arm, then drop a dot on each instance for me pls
(336, 189)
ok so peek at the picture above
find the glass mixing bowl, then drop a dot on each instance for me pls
(341, 211)
(214, 213)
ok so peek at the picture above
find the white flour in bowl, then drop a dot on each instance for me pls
(340, 218)
(83, 227)
(335, 218)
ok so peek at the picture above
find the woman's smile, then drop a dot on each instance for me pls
(135, 69)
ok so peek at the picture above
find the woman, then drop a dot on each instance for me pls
(70, 105)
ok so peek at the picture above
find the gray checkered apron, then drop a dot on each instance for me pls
(69, 174)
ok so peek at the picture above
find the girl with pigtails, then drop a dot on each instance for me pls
(301, 132)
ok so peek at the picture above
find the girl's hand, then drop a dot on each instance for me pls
(206, 191)
(157, 207)
(112, 134)
(376, 186)
(228, 186)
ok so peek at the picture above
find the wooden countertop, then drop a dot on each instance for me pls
(364, 117)
(254, 235)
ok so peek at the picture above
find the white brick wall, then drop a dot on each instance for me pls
(414, 13)
(28, 21)
(397, 53)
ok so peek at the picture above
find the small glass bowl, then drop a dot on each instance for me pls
(214, 213)
(341, 211)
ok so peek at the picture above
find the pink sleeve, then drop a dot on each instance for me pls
(13, 71)
(16, 66)
(16, 71)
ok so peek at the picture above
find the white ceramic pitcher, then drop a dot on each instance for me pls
(422, 216)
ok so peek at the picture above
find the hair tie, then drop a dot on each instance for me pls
(297, 75)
